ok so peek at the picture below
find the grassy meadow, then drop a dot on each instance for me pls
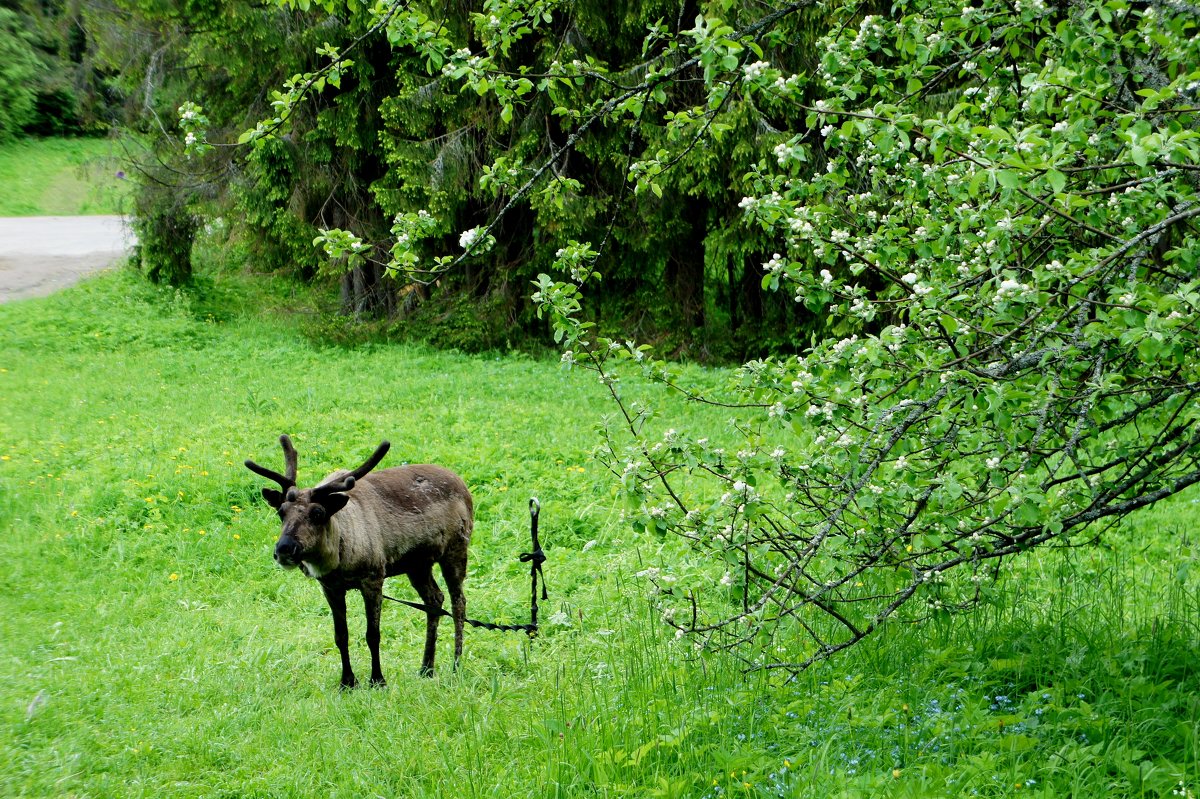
(61, 177)
(149, 646)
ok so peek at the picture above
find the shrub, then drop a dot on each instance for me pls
(165, 228)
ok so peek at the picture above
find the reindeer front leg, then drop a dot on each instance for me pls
(336, 597)
(372, 592)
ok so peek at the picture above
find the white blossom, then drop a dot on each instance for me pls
(755, 70)
(468, 237)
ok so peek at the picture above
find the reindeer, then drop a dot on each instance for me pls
(354, 530)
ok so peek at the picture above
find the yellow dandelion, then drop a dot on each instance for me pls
(5, 458)
(201, 532)
(502, 488)
(236, 536)
(174, 576)
(74, 513)
(235, 509)
(204, 473)
(896, 773)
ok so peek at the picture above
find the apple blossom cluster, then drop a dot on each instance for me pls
(194, 124)
(408, 230)
(577, 260)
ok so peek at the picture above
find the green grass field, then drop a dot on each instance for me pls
(151, 648)
(61, 177)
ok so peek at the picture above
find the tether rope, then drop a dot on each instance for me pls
(535, 558)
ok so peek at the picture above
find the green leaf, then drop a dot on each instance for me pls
(1007, 178)
(1057, 180)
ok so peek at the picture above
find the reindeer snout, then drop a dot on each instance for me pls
(286, 551)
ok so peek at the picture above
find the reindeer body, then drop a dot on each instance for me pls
(353, 530)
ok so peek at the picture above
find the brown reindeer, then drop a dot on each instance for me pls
(354, 530)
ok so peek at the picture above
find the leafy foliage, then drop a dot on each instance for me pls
(1014, 272)
(52, 82)
(166, 229)
(18, 67)
(401, 108)
(992, 210)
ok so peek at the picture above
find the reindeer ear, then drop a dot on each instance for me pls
(274, 498)
(332, 503)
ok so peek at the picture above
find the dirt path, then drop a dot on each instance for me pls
(42, 254)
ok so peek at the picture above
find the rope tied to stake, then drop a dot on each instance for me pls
(535, 558)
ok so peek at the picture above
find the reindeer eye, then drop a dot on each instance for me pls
(316, 513)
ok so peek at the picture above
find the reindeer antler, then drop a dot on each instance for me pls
(287, 480)
(347, 482)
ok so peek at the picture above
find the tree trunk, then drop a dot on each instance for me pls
(684, 274)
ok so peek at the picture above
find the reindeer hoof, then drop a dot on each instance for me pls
(348, 682)
(426, 671)
(378, 682)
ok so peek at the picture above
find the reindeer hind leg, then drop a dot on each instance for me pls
(454, 573)
(421, 578)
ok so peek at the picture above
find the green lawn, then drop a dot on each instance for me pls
(151, 648)
(61, 177)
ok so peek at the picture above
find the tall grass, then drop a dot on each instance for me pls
(151, 648)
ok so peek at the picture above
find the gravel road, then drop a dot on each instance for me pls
(42, 254)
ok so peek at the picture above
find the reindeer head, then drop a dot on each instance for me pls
(305, 513)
